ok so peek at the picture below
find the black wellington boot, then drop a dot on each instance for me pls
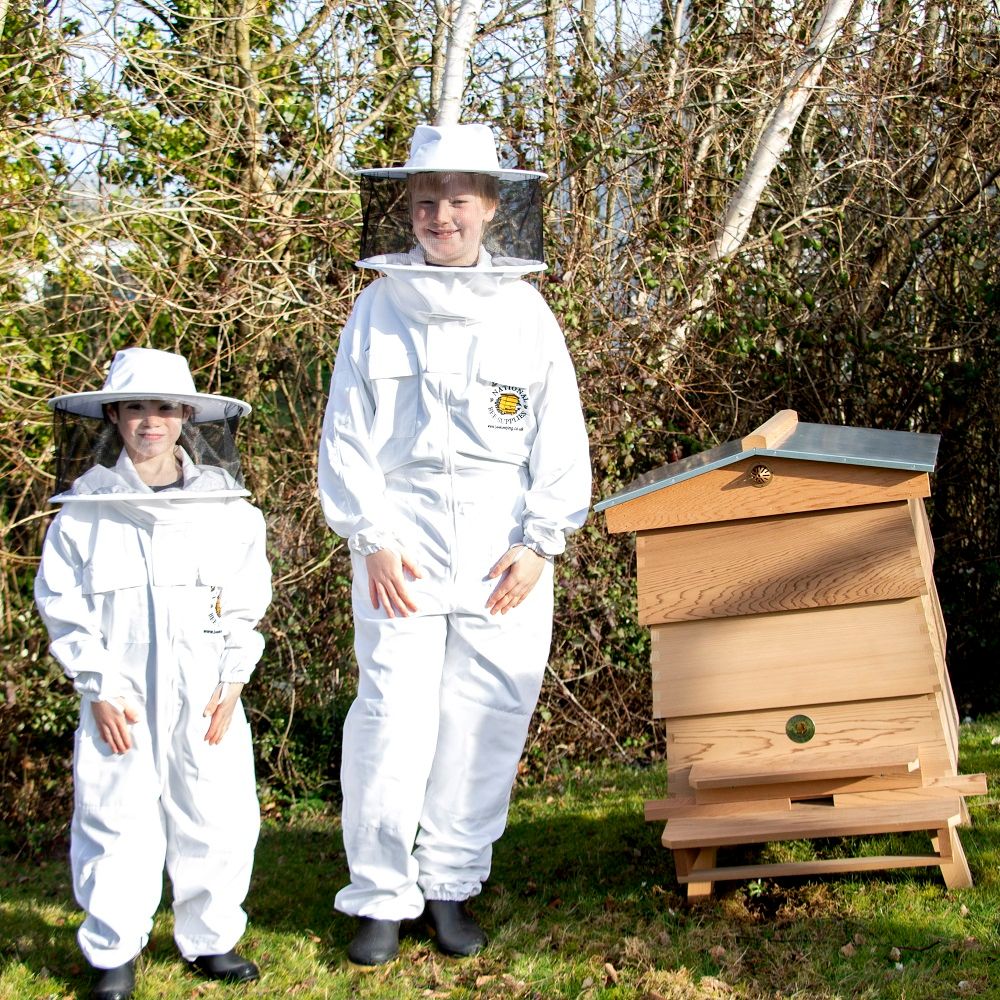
(114, 984)
(456, 931)
(375, 943)
(229, 967)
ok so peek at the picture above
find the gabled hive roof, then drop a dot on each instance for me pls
(790, 439)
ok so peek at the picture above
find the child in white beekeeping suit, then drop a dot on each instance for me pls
(454, 459)
(152, 581)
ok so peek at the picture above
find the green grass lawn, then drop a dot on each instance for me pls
(582, 903)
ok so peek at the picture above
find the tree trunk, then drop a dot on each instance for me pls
(445, 13)
(460, 40)
(777, 131)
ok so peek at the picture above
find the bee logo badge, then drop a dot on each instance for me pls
(508, 408)
(214, 612)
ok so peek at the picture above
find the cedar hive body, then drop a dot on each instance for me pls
(798, 648)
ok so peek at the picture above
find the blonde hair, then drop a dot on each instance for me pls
(483, 185)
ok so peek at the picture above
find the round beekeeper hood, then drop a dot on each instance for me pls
(91, 461)
(512, 240)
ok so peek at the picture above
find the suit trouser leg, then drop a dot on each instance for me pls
(213, 820)
(117, 843)
(389, 738)
(493, 672)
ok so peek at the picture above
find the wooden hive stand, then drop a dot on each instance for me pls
(798, 649)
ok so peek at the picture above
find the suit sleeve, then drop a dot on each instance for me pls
(558, 498)
(72, 617)
(351, 482)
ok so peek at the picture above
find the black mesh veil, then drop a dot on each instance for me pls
(515, 232)
(83, 442)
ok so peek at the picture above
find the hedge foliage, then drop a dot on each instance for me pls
(217, 220)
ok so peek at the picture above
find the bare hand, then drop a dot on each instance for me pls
(220, 707)
(387, 581)
(519, 569)
(113, 719)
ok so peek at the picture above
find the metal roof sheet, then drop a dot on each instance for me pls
(808, 442)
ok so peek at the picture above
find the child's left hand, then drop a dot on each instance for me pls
(519, 569)
(220, 707)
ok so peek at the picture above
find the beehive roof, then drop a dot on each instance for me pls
(806, 442)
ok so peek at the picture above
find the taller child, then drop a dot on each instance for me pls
(454, 460)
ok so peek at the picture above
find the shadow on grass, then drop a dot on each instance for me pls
(297, 871)
(581, 880)
(40, 935)
(607, 887)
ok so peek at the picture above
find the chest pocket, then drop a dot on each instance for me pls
(115, 581)
(211, 570)
(116, 562)
(506, 389)
(208, 598)
(395, 378)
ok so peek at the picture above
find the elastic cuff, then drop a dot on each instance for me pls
(365, 548)
(368, 541)
(538, 550)
(546, 541)
(455, 892)
(98, 687)
(237, 665)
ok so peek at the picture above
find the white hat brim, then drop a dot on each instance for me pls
(175, 497)
(206, 406)
(400, 173)
(395, 262)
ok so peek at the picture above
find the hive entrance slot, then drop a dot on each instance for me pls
(818, 800)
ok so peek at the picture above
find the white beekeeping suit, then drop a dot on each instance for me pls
(453, 433)
(151, 598)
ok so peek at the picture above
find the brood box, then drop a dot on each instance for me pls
(798, 648)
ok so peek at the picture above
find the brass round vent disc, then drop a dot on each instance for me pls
(800, 729)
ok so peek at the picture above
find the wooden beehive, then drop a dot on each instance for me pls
(798, 648)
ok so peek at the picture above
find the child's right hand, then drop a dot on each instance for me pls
(387, 584)
(113, 719)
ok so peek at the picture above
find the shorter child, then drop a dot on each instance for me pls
(152, 581)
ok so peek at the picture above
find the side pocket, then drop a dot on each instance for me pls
(113, 785)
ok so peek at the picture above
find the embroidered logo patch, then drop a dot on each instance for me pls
(508, 407)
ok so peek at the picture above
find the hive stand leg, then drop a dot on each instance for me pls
(688, 860)
(954, 867)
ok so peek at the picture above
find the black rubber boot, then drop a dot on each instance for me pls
(114, 984)
(456, 932)
(229, 967)
(375, 943)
